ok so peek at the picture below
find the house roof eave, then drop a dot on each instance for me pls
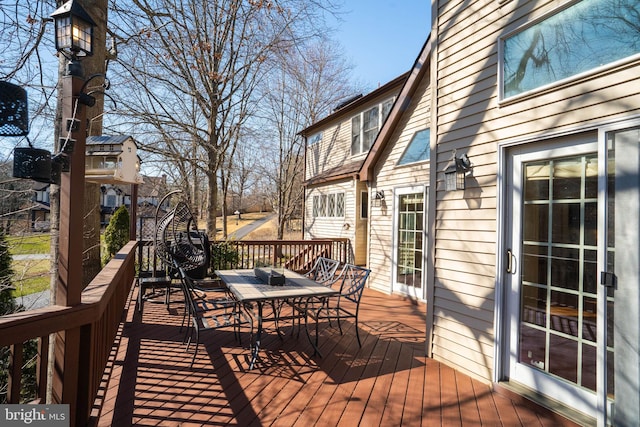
(328, 179)
(355, 104)
(338, 173)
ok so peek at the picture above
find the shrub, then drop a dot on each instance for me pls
(224, 255)
(117, 233)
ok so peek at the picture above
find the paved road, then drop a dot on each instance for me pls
(30, 256)
(243, 231)
(33, 301)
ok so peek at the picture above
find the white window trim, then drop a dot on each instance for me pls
(381, 120)
(554, 85)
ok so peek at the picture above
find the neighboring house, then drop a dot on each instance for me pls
(111, 198)
(40, 212)
(531, 264)
(336, 202)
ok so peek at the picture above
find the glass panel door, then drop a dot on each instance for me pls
(572, 230)
(410, 211)
(554, 282)
(557, 331)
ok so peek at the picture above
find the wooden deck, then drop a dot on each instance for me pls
(387, 382)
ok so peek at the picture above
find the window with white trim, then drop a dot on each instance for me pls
(365, 126)
(314, 139)
(585, 36)
(328, 205)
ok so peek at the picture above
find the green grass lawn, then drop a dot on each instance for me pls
(30, 276)
(31, 244)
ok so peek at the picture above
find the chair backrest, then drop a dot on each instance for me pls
(353, 279)
(324, 271)
(187, 288)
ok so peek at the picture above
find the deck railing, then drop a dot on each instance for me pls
(93, 323)
(296, 255)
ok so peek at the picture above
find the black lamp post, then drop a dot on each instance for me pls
(74, 39)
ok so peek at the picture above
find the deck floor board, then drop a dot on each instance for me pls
(388, 381)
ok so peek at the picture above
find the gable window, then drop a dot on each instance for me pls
(315, 138)
(328, 205)
(418, 148)
(588, 35)
(365, 126)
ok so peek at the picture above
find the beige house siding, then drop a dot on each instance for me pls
(334, 149)
(388, 177)
(472, 120)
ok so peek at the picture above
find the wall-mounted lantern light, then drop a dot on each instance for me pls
(455, 173)
(378, 198)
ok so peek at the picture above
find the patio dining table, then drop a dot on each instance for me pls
(253, 293)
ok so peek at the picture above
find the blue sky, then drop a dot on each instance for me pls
(382, 38)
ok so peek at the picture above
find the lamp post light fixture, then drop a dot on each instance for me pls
(74, 40)
(74, 29)
(74, 34)
(455, 173)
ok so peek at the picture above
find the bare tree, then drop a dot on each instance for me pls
(190, 69)
(303, 90)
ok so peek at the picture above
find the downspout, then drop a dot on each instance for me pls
(433, 181)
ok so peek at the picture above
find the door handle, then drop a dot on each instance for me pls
(510, 262)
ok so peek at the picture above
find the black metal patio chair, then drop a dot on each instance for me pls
(208, 309)
(324, 271)
(345, 305)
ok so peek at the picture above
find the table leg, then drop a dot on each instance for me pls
(314, 343)
(256, 344)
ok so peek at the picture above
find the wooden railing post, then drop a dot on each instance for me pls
(16, 358)
(70, 251)
(41, 368)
